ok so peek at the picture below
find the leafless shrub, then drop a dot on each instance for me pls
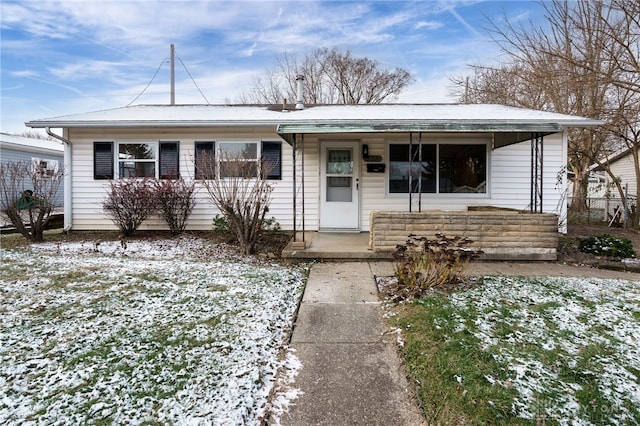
(27, 195)
(176, 202)
(130, 202)
(238, 187)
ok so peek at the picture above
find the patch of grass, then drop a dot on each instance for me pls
(449, 369)
(525, 351)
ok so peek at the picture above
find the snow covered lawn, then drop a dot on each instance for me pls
(564, 350)
(168, 331)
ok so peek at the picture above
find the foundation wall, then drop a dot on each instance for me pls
(502, 235)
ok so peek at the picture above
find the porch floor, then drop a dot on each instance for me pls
(333, 245)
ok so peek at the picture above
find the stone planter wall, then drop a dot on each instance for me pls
(501, 234)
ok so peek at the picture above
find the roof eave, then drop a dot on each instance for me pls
(143, 124)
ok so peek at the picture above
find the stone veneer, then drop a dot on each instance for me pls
(501, 234)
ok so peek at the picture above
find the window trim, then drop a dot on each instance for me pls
(118, 161)
(45, 167)
(437, 193)
(215, 146)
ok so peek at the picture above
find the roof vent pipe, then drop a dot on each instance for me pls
(299, 92)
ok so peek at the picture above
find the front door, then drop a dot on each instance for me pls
(339, 184)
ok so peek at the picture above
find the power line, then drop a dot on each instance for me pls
(194, 82)
(149, 84)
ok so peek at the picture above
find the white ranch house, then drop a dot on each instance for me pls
(385, 169)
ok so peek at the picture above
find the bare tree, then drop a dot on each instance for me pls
(331, 77)
(623, 124)
(565, 67)
(27, 195)
(35, 135)
(237, 185)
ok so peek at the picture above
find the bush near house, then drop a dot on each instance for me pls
(130, 202)
(607, 245)
(176, 202)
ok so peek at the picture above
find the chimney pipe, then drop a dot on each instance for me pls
(300, 87)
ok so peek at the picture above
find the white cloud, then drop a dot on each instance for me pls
(24, 73)
(429, 25)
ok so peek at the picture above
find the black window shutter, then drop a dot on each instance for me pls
(205, 151)
(169, 164)
(272, 159)
(102, 160)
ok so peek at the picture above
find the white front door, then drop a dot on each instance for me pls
(339, 184)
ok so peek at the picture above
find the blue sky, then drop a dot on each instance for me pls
(72, 56)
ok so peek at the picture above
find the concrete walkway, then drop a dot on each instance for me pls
(351, 372)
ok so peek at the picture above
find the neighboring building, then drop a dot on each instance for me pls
(336, 163)
(623, 166)
(44, 154)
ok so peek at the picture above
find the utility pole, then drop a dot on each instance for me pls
(173, 74)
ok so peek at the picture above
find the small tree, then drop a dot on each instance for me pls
(130, 202)
(27, 195)
(238, 187)
(176, 202)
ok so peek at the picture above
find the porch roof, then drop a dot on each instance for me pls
(504, 133)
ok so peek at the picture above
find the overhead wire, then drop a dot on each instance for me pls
(149, 84)
(194, 82)
(156, 73)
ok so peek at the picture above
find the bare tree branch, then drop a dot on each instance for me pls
(331, 77)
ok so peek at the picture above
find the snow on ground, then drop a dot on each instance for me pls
(565, 334)
(167, 331)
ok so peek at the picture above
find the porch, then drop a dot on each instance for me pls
(333, 245)
(502, 235)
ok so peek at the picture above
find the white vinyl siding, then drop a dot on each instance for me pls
(509, 170)
(88, 194)
(624, 170)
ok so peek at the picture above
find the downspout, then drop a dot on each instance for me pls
(67, 178)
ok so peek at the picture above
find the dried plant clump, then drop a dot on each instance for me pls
(422, 264)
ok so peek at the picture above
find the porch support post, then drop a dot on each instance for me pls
(295, 189)
(537, 147)
(302, 177)
(410, 170)
(420, 171)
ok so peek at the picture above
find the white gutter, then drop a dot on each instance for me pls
(299, 120)
(67, 179)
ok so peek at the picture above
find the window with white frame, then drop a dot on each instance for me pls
(44, 167)
(136, 160)
(443, 168)
(238, 159)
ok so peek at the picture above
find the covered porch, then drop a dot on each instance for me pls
(500, 233)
